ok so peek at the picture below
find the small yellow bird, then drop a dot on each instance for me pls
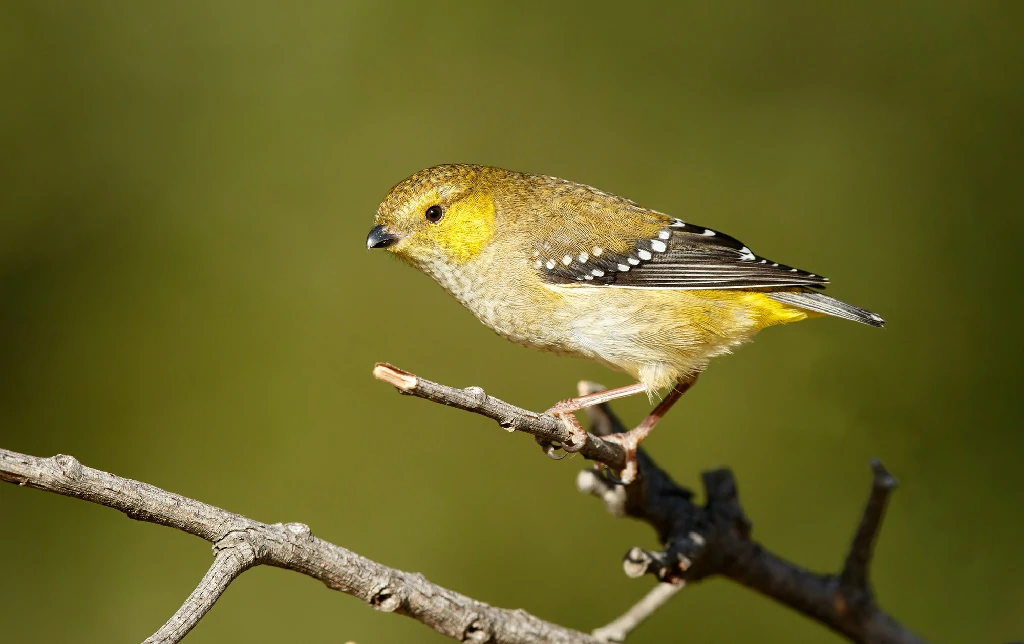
(565, 268)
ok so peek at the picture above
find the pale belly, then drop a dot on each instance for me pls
(658, 336)
(659, 339)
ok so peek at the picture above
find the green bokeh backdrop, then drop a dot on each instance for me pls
(185, 299)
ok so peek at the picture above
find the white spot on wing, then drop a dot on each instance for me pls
(588, 277)
(634, 261)
(583, 258)
(539, 263)
(550, 264)
(658, 246)
(664, 234)
(644, 254)
(708, 232)
(567, 260)
(597, 272)
(623, 267)
(596, 251)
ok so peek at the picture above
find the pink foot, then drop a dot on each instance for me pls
(577, 435)
(629, 442)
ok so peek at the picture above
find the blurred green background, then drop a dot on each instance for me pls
(185, 299)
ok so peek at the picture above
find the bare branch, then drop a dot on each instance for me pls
(289, 545)
(699, 541)
(624, 625)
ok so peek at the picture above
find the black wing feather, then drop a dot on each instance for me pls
(681, 256)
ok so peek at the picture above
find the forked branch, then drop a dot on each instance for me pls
(242, 543)
(700, 541)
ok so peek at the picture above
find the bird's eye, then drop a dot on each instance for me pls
(434, 214)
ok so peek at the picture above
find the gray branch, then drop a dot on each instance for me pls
(242, 543)
(617, 631)
(232, 560)
(699, 541)
(546, 429)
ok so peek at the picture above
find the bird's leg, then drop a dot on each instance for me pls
(565, 411)
(589, 400)
(631, 440)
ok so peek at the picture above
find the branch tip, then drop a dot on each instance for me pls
(401, 380)
(854, 579)
(883, 478)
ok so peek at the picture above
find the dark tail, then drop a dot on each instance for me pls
(821, 303)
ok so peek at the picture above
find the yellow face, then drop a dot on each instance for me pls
(442, 213)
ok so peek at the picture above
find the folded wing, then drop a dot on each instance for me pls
(675, 255)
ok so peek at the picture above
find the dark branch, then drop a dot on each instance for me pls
(855, 572)
(699, 541)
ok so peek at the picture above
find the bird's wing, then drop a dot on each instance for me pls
(667, 253)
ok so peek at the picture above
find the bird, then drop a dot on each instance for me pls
(568, 269)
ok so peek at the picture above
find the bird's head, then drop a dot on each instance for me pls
(441, 214)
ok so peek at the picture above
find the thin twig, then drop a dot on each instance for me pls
(855, 571)
(618, 630)
(289, 545)
(229, 563)
(545, 427)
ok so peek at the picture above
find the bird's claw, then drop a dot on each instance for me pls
(550, 449)
(577, 435)
(611, 478)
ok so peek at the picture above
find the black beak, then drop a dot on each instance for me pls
(379, 237)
